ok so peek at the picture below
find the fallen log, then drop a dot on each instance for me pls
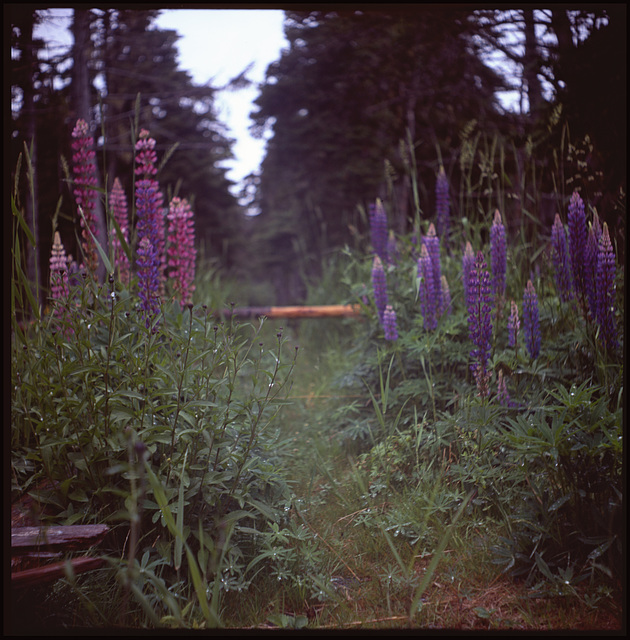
(51, 572)
(298, 311)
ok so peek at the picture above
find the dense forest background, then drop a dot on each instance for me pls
(362, 104)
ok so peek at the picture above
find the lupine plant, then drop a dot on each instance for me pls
(442, 206)
(154, 416)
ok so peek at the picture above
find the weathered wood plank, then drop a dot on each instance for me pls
(78, 536)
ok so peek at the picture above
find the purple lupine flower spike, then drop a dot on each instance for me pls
(502, 391)
(118, 204)
(560, 259)
(442, 206)
(428, 297)
(480, 321)
(379, 285)
(389, 323)
(498, 259)
(432, 243)
(148, 280)
(149, 201)
(577, 241)
(181, 250)
(85, 194)
(606, 291)
(590, 264)
(531, 325)
(378, 229)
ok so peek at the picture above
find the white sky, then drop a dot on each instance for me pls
(217, 45)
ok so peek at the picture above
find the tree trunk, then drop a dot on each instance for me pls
(530, 67)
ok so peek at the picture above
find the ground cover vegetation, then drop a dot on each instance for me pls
(450, 459)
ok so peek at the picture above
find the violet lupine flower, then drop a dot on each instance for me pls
(389, 323)
(514, 325)
(428, 296)
(590, 264)
(606, 291)
(480, 321)
(148, 280)
(560, 260)
(181, 250)
(85, 193)
(379, 285)
(577, 241)
(432, 243)
(118, 204)
(442, 206)
(149, 202)
(468, 261)
(531, 325)
(498, 257)
(378, 229)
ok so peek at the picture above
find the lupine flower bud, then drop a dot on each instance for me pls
(379, 285)
(378, 229)
(498, 257)
(531, 326)
(560, 260)
(428, 295)
(514, 325)
(181, 250)
(605, 308)
(389, 323)
(85, 193)
(442, 206)
(446, 297)
(118, 204)
(577, 240)
(58, 270)
(480, 321)
(502, 391)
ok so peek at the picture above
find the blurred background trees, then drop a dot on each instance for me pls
(359, 104)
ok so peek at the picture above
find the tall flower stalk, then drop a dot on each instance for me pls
(531, 324)
(181, 250)
(151, 257)
(479, 303)
(378, 230)
(118, 205)
(468, 262)
(432, 243)
(577, 242)
(59, 289)
(442, 206)
(85, 194)
(389, 323)
(498, 258)
(427, 291)
(379, 285)
(560, 260)
(605, 299)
